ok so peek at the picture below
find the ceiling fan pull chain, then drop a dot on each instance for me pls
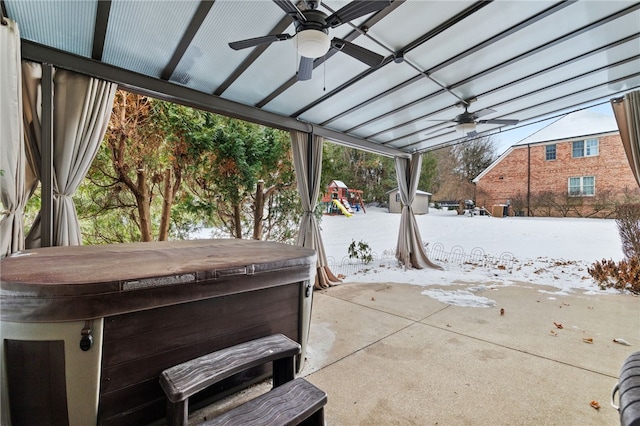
(324, 73)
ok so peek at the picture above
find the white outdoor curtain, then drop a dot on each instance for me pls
(409, 250)
(627, 113)
(309, 189)
(81, 110)
(12, 157)
(32, 102)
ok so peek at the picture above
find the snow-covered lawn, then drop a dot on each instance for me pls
(551, 252)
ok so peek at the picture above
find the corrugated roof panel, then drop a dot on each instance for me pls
(65, 25)
(209, 60)
(563, 22)
(335, 71)
(548, 59)
(385, 79)
(480, 26)
(142, 35)
(576, 124)
(400, 98)
(413, 19)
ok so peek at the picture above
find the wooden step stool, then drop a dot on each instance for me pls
(290, 402)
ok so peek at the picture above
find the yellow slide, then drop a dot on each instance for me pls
(341, 207)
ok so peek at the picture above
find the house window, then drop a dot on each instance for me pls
(397, 197)
(588, 148)
(550, 152)
(591, 147)
(583, 186)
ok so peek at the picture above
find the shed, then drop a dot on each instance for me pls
(420, 202)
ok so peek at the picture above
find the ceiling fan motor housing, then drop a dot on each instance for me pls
(465, 117)
(312, 37)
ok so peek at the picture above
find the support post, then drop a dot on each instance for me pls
(46, 158)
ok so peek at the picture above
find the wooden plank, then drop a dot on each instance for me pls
(183, 380)
(139, 369)
(164, 329)
(36, 382)
(192, 314)
(138, 346)
(289, 404)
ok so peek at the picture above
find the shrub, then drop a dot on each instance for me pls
(628, 221)
(624, 275)
(361, 251)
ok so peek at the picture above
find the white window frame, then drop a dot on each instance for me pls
(590, 148)
(581, 191)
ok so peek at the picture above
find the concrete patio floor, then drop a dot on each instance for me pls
(388, 355)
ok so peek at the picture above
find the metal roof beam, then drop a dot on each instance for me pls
(528, 94)
(196, 21)
(100, 29)
(253, 56)
(165, 90)
(499, 67)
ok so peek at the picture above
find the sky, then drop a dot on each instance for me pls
(511, 136)
(550, 253)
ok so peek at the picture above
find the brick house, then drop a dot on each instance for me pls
(576, 166)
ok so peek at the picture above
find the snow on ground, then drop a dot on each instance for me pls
(553, 252)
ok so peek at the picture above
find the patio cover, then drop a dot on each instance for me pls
(523, 60)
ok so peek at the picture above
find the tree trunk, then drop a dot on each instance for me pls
(167, 202)
(236, 218)
(258, 211)
(143, 199)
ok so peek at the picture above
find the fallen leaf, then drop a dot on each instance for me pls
(621, 342)
(553, 333)
(587, 340)
(558, 325)
(501, 311)
(595, 405)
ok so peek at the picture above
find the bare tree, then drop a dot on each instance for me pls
(458, 165)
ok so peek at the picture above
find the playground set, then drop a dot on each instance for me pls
(339, 199)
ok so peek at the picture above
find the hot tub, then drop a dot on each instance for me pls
(86, 330)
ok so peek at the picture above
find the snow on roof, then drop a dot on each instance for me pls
(417, 192)
(339, 184)
(578, 124)
(575, 125)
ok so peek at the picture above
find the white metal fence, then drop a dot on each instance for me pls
(455, 257)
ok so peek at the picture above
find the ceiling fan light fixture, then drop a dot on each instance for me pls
(312, 43)
(465, 127)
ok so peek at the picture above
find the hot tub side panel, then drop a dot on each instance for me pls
(139, 345)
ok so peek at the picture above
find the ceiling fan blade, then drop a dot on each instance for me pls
(438, 130)
(290, 9)
(355, 9)
(305, 69)
(504, 122)
(483, 112)
(251, 42)
(360, 53)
